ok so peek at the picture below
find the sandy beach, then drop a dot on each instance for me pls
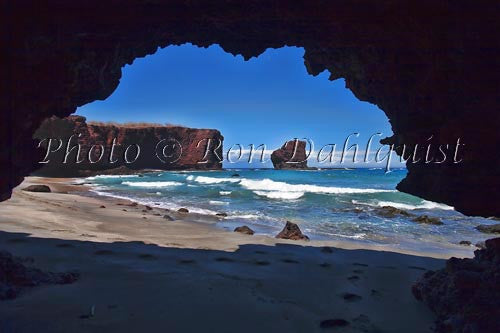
(142, 272)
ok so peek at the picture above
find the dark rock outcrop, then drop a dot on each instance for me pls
(390, 212)
(466, 294)
(244, 230)
(15, 276)
(37, 188)
(292, 155)
(112, 148)
(183, 210)
(425, 219)
(291, 231)
(489, 229)
(433, 67)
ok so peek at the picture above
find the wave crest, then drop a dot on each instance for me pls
(151, 184)
(271, 185)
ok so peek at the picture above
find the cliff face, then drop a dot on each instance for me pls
(133, 147)
(292, 155)
(432, 66)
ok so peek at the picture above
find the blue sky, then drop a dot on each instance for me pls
(267, 100)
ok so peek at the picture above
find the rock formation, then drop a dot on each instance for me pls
(292, 155)
(291, 231)
(489, 229)
(184, 147)
(432, 67)
(244, 230)
(466, 294)
(37, 188)
(15, 276)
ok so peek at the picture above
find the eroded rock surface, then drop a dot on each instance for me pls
(466, 294)
(433, 67)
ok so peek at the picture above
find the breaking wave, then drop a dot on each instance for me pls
(271, 185)
(152, 184)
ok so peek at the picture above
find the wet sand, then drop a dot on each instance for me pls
(142, 272)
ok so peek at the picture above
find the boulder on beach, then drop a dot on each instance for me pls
(183, 210)
(489, 229)
(244, 230)
(37, 188)
(425, 219)
(168, 217)
(291, 231)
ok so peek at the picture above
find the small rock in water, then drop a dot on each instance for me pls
(221, 214)
(235, 175)
(244, 230)
(168, 217)
(183, 210)
(466, 243)
(489, 229)
(389, 211)
(427, 220)
(37, 188)
(291, 231)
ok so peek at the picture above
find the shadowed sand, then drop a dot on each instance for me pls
(141, 272)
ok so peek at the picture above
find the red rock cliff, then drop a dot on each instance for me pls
(161, 147)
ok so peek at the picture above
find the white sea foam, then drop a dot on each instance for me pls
(424, 205)
(151, 184)
(246, 216)
(279, 194)
(212, 180)
(271, 185)
(111, 176)
(225, 192)
(219, 203)
(356, 236)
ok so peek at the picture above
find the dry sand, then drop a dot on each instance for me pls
(142, 273)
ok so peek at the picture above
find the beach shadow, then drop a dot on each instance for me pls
(132, 286)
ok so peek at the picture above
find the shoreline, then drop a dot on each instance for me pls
(133, 263)
(125, 206)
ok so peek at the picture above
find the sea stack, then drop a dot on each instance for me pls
(292, 155)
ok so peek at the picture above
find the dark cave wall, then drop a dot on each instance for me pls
(431, 66)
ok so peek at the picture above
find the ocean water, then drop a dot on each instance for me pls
(326, 204)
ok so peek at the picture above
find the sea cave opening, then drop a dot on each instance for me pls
(196, 95)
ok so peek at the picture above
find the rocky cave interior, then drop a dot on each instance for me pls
(432, 67)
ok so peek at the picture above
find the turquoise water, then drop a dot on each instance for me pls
(327, 204)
